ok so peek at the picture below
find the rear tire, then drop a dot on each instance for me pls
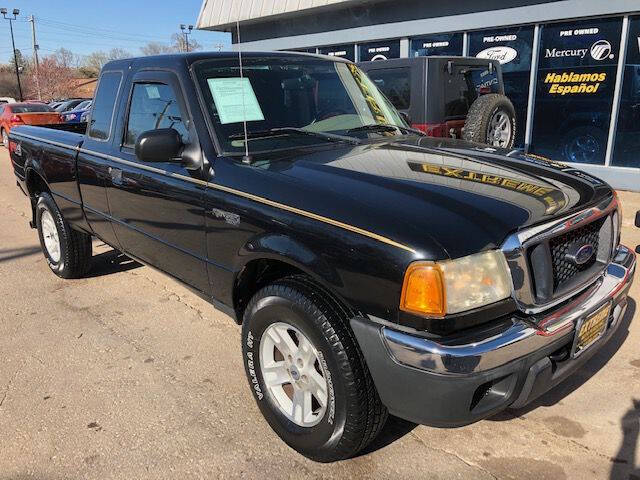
(491, 120)
(586, 144)
(68, 252)
(353, 414)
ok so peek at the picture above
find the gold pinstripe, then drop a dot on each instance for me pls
(240, 193)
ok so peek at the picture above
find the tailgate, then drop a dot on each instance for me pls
(40, 118)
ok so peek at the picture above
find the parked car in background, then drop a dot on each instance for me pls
(7, 100)
(25, 114)
(75, 115)
(458, 97)
(69, 104)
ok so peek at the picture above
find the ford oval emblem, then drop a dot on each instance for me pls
(501, 53)
(579, 255)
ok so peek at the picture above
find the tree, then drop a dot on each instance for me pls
(93, 63)
(22, 62)
(65, 58)
(8, 84)
(56, 77)
(156, 48)
(118, 54)
(179, 43)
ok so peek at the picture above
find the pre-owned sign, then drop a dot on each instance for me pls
(437, 44)
(379, 50)
(342, 51)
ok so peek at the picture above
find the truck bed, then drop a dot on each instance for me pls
(65, 139)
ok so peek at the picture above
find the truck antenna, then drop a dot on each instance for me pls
(247, 158)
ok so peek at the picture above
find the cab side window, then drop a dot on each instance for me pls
(103, 107)
(153, 106)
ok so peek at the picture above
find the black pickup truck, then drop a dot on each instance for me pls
(374, 270)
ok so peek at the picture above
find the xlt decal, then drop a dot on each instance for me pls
(552, 198)
(230, 218)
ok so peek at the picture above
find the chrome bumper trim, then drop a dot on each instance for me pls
(523, 336)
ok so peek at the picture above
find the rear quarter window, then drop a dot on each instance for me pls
(104, 105)
(395, 83)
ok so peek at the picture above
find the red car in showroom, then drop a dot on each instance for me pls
(12, 114)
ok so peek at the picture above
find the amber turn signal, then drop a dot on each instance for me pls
(423, 290)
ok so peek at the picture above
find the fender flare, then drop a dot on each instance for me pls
(282, 248)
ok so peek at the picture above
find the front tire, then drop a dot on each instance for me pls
(67, 251)
(292, 329)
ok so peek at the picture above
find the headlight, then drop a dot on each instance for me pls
(453, 286)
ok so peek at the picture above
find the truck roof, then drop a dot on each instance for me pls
(192, 57)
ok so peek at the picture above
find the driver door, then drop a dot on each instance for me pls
(158, 208)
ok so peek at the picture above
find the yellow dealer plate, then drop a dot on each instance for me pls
(591, 328)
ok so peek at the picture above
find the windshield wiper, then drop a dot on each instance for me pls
(272, 132)
(385, 127)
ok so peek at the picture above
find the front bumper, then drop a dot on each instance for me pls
(459, 380)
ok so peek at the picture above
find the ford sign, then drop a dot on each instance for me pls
(502, 54)
(580, 254)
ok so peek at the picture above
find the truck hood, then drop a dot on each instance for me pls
(462, 197)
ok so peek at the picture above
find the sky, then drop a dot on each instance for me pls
(85, 27)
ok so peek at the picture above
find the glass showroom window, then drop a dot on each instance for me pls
(512, 48)
(379, 50)
(437, 44)
(574, 93)
(342, 51)
(625, 152)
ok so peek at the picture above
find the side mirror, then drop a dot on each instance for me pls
(406, 118)
(161, 145)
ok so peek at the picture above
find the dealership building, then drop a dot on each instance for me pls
(571, 67)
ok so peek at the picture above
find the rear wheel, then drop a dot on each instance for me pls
(491, 120)
(307, 373)
(67, 251)
(585, 145)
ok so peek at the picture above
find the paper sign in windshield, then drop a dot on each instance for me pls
(235, 100)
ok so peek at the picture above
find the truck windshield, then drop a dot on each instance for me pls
(290, 102)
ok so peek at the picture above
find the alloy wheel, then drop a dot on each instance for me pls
(292, 372)
(499, 133)
(50, 235)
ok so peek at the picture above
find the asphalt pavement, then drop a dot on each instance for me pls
(128, 375)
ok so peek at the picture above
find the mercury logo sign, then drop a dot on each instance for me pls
(601, 50)
(502, 54)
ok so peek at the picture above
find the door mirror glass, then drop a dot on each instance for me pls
(159, 145)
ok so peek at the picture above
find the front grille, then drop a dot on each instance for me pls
(552, 271)
(563, 269)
